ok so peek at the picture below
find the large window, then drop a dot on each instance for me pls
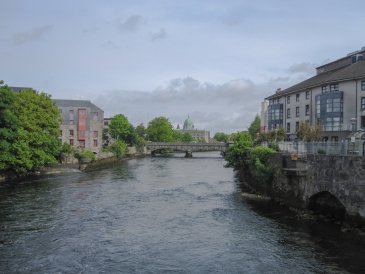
(288, 113)
(297, 112)
(333, 105)
(362, 103)
(362, 121)
(297, 97)
(287, 127)
(296, 126)
(363, 85)
(288, 99)
(329, 110)
(306, 110)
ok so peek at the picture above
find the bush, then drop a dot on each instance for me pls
(259, 162)
(85, 154)
(118, 148)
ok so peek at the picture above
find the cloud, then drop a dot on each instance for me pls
(33, 35)
(158, 35)
(228, 107)
(110, 45)
(305, 68)
(132, 23)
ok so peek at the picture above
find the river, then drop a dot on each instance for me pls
(160, 215)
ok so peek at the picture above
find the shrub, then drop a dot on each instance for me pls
(85, 154)
(118, 148)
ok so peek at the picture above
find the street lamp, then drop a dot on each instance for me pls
(353, 124)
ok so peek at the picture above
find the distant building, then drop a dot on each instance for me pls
(264, 117)
(333, 99)
(82, 124)
(195, 133)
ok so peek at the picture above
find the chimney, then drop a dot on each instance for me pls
(278, 90)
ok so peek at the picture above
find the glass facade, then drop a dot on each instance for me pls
(329, 111)
(275, 112)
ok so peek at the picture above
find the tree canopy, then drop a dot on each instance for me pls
(221, 137)
(254, 128)
(30, 129)
(160, 130)
(121, 129)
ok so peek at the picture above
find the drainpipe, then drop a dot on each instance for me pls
(357, 120)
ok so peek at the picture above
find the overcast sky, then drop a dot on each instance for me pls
(214, 60)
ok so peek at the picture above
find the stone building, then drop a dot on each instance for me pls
(82, 124)
(334, 98)
(197, 134)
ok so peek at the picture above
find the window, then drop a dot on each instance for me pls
(363, 85)
(362, 102)
(333, 105)
(297, 112)
(95, 134)
(94, 116)
(307, 95)
(71, 142)
(288, 99)
(334, 138)
(82, 143)
(306, 110)
(362, 121)
(71, 114)
(333, 124)
(95, 143)
(297, 97)
(334, 87)
(71, 132)
(288, 127)
(325, 89)
(296, 126)
(288, 113)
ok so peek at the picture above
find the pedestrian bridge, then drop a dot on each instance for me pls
(188, 148)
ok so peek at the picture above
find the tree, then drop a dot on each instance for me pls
(237, 153)
(254, 128)
(309, 133)
(160, 130)
(180, 136)
(36, 143)
(141, 130)
(121, 129)
(221, 137)
(8, 127)
(118, 148)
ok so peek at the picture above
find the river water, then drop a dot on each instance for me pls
(160, 215)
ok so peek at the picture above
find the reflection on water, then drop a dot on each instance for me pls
(157, 215)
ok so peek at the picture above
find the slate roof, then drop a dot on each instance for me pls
(350, 72)
(76, 103)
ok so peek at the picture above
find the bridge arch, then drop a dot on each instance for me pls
(327, 204)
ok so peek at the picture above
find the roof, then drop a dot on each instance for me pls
(76, 103)
(350, 72)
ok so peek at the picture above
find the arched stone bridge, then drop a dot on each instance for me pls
(188, 148)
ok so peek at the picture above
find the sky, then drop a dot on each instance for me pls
(213, 60)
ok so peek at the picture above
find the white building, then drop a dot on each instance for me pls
(334, 99)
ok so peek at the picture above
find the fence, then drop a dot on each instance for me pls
(343, 148)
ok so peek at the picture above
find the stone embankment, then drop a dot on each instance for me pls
(330, 185)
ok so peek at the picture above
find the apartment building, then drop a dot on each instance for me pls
(334, 98)
(82, 124)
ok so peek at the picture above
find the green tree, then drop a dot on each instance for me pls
(221, 137)
(118, 148)
(121, 129)
(141, 131)
(160, 130)
(237, 153)
(36, 144)
(254, 128)
(180, 136)
(8, 127)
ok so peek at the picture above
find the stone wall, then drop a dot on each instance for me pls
(298, 183)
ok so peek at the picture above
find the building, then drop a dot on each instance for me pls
(195, 133)
(82, 124)
(333, 99)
